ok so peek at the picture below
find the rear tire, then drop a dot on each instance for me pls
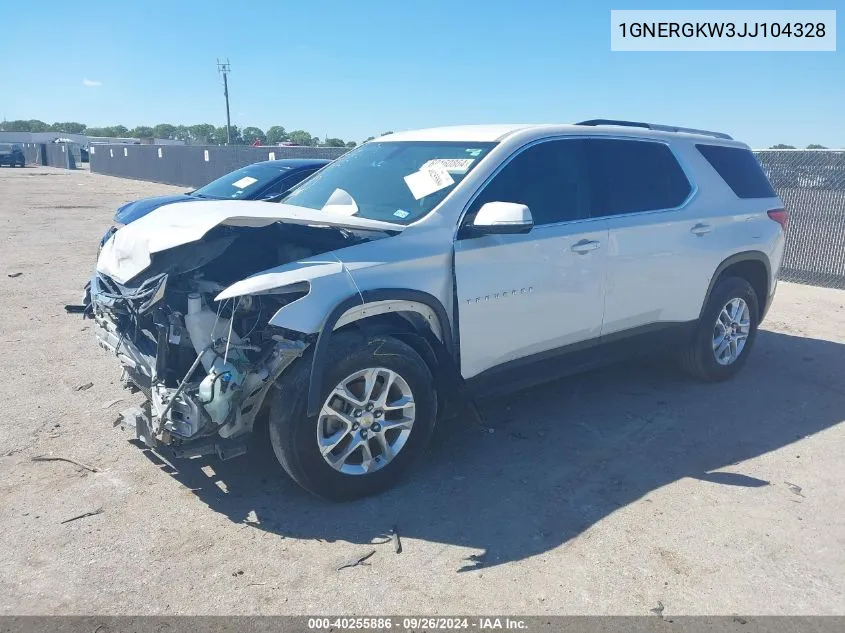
(725, 333)
(294, 435)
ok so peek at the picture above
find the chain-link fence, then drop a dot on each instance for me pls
(811, 184)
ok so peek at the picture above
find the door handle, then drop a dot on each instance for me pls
(585, 246)
(701, 229)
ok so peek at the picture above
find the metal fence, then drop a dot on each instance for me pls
(190, 165)
(811, 184)
(33, 153)
(66, 155)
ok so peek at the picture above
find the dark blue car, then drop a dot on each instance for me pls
(266, 180)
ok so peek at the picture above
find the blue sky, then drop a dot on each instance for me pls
(356, 68)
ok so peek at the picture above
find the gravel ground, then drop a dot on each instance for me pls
(606, 493)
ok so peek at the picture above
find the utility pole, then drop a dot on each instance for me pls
(224, 69)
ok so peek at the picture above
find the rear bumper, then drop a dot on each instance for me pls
(768, 303)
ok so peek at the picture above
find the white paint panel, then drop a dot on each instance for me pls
(128, 251)
(520, 295)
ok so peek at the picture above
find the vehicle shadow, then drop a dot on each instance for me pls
(556, 459)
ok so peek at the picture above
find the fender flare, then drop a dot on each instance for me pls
(322, 344)
(744, 256)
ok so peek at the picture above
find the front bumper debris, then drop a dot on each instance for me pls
(209, 408)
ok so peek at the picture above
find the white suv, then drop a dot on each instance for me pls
(423, 267)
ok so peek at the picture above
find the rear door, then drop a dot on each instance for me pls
(521, 295)
(659, 246)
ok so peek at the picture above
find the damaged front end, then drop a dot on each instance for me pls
(205, 366)
(204, 371)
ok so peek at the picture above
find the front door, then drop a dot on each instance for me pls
(521, 295)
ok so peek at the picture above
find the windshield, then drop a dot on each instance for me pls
(243, 182)
(5, 147)
(394, 182)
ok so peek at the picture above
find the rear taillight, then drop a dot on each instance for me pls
(780, 216)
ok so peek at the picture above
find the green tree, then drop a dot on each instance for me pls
(782, 146)
(182, 134)
(164, 130)
(110, 131)
(142, 131)
(815, 146)
(33, 125)
(334, 142)
(301, 137)
(14, 126)
(38, 126)
(249, 135)
(204, 134)
(351, 144)
(276, 135)
(68, 128)
(220, 135)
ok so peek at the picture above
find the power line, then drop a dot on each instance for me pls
(224, 69)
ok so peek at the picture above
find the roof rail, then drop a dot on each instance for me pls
(656, 126)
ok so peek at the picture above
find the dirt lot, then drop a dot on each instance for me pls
(604, 494)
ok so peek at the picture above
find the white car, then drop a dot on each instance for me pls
(424, 267)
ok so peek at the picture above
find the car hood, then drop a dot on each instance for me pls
(128, 252)
(138, 209)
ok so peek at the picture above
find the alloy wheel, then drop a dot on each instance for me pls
(365, 421)
(731, 330)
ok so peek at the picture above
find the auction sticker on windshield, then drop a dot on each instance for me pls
(452, 165)
(244, 182)
(429, 178)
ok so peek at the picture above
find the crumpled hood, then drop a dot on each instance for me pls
(127, 253)
(139, 208)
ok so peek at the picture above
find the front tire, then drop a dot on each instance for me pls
(378, 413)
(725, 333)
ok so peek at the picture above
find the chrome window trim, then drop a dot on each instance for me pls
(561, 137)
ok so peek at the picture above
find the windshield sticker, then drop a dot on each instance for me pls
(401, 213)
(475, 153)
(244, 182)
(341, 202)
(427, 180)
(452, 165)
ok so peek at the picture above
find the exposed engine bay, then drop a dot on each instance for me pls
(205, 366)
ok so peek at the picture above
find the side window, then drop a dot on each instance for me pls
(633, 176)
(740, 169)
(549, 178)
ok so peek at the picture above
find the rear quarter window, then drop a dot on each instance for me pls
(740, 169)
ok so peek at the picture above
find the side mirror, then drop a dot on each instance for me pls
(502, 218)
